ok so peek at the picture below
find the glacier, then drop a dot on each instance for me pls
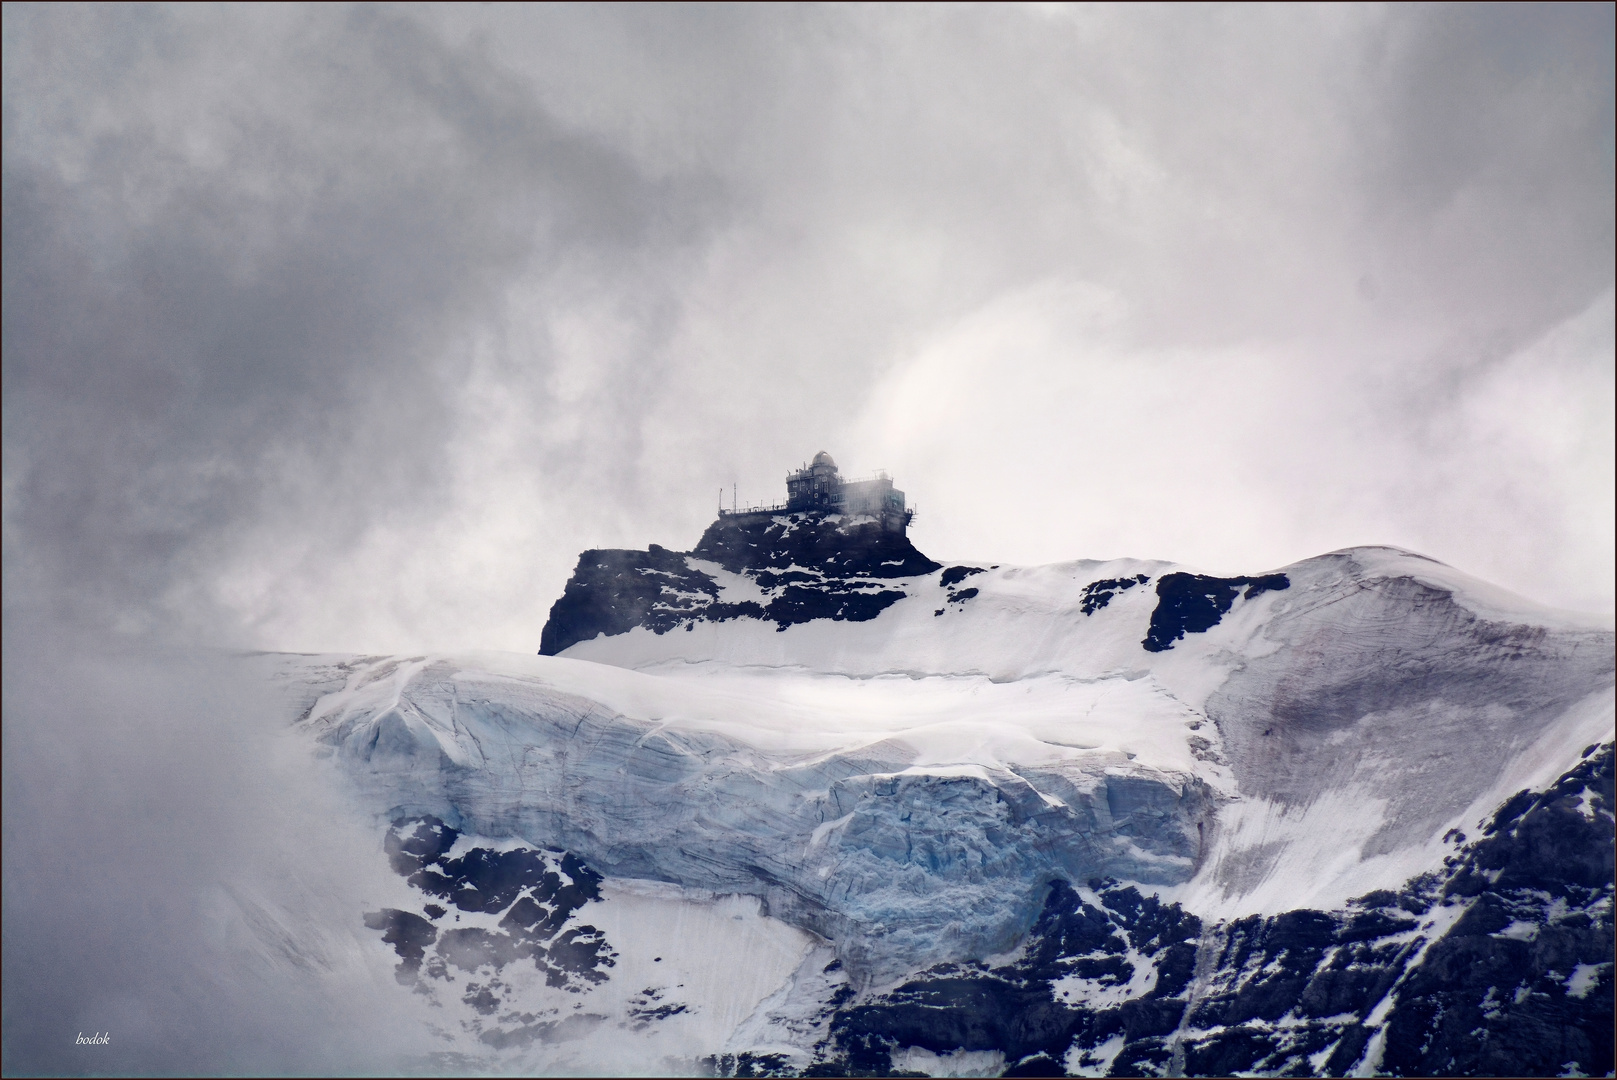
(939, 779)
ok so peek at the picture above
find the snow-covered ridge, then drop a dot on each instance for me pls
(1018, 621)
(906, 785)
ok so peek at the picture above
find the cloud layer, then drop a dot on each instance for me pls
(350, 327)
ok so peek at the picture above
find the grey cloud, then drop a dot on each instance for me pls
(273, 325)
(160, 883)
(1498, 175)
(370, 318)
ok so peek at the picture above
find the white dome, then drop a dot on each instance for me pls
(822, 458)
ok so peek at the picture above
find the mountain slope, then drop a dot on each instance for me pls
(1003, 771)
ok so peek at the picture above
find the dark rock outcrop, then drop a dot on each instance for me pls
(536, 893)
(1522, 985)
(1097, 594)
(1078, 983)
(809, 565)
(956, 574)
(1194, 604)
(828, 544)
(612, 591)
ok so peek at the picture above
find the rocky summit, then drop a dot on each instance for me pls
(805, 566)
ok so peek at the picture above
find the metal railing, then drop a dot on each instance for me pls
(910, 513)
(776, 508)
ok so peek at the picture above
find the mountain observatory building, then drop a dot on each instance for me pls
(819, 488)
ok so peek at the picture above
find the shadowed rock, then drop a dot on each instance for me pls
(810, 565)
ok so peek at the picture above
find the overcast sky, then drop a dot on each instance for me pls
(349, 328)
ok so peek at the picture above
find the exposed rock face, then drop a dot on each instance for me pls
(529, 901)
(1099, 971)
(814, 543)
(1523, 982)
(614, 590)
(1193, 603)
(806, 566)
(1499, 965)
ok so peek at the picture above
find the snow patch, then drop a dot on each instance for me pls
(1093, 1062)
(956, 1063)
(1584, 978)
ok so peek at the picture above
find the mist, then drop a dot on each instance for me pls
(347, 328)
(183, 876)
